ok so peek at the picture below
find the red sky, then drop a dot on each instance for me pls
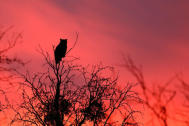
(154, 33)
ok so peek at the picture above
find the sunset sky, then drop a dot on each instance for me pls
(154, 33)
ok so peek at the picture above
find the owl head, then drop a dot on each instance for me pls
(63, 40)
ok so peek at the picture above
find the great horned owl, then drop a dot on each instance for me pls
(60, 50)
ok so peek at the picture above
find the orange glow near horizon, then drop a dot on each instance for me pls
(154, 34)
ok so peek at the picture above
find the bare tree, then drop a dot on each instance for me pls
(184, 90)
(6, 61)
(157, 98)
(103, 99)
(11, 43)
(69, 94)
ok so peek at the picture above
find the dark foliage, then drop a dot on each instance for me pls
(95, 111)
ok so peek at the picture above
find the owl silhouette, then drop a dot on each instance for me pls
(60, 51)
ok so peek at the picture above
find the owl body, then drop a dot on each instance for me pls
(60, 50)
